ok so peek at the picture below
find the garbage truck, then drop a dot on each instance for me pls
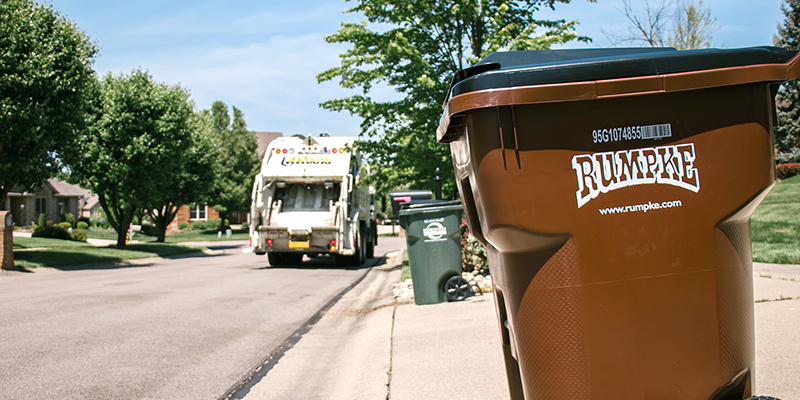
(309, 199)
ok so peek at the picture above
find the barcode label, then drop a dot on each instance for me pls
(656, 131)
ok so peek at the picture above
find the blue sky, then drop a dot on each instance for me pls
(263, 56)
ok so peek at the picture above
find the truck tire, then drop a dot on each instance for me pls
(358, 257)
(371, 247)
(274, 259)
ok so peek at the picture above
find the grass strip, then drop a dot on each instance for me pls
(206, 235)
(38, 243)
(775, 225)
(405, 269)
(62, 256)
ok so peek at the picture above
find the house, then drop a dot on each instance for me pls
(202, 212)
(54, 199)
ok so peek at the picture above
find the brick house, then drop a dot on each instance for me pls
(202, 212)
(54, 199)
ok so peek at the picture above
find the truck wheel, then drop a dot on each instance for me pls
(274, 259)
(357, 258)
(370, 249)
(362, 247)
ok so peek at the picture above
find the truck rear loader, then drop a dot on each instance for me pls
(308, 200)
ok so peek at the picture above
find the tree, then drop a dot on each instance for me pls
(682, 25)
(238, 163)
(787, 131)
(190, 180)
(45, 70)
(415, 48)
(138, 134)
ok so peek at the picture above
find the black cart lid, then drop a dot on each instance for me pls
(542, 76)
(538, 67)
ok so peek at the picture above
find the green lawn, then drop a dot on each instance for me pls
(209, 235)
(775, 225)
(57, 252)
(35, 243)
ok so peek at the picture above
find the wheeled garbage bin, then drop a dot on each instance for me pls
(433, 237)
(613, 189)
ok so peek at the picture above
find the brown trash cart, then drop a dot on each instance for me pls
(613, 189)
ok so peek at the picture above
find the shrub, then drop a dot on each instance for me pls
(42, 220)
(83, 225)
(198, 225)
(473, 253)
(69, 218)
(86, 220)
(784, 171)
(99, 221)
(149, 230)
(79, 235)
(51, 232)
(183, 226)
(245, 225)
(65, 225)
(213, 224)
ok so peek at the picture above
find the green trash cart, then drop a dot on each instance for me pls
(434, 250)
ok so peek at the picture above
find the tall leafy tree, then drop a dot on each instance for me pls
(415, 47)
(45, 72)
(191, 178)
(238, 163)
(787, 131)
(138, 135)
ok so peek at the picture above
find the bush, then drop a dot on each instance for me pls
(198, 225)
(69, 218)
(213, 224)
(149, 230)
(42, 220)
(65, 225)
(51, 232)
(86, 220)
(79, 235)
(245, 225)
(784, 171)
(98, 221)
(183, 226)
(83, 225)
(473, 253)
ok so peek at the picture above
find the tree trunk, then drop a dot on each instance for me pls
(162, 217)
(125, 218)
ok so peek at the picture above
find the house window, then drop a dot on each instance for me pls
(41, 205)
(197, 211)
(61, 208)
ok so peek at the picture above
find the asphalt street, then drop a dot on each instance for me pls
(186, 328)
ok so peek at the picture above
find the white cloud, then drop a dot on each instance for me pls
(273, 82)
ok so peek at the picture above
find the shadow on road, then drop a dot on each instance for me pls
(323, 262)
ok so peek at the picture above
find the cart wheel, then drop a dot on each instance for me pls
(456, 288)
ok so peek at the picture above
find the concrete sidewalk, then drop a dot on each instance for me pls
(367, 346)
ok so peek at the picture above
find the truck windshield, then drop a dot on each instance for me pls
(307, 197)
